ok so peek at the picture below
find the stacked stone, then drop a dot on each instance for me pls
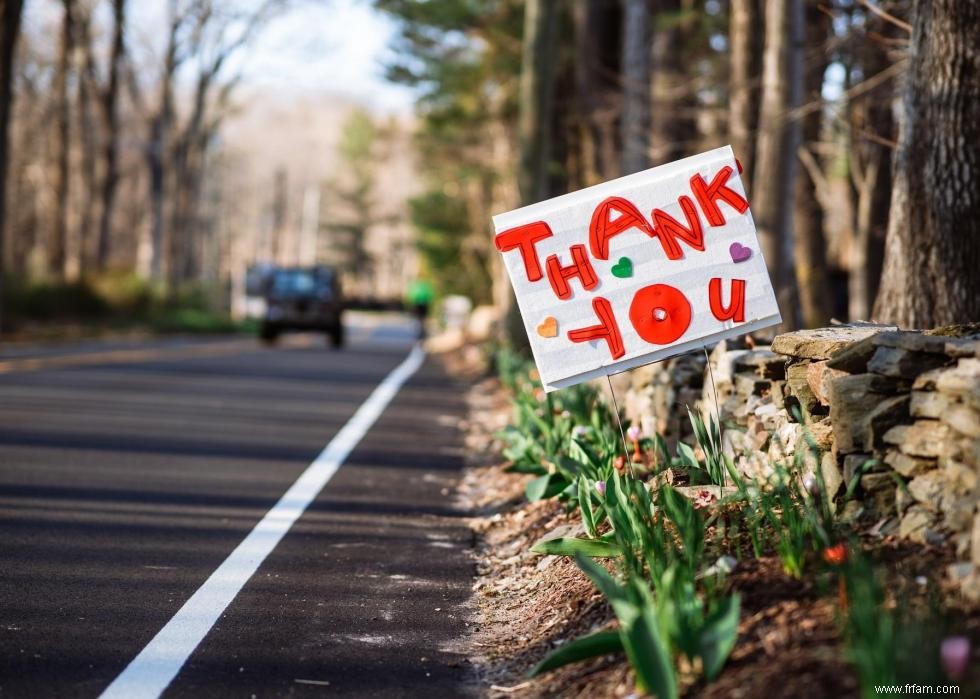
(892, 416)
(748, 392)
(657, 393)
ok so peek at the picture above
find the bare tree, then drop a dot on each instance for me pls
(674, 123)
(808, 235)
(598, 26)
(61, 144)
(109, 101)
(10, 12)
(775, 162)
(537, 98)
(932, 252)
(745, 37)
(870, 136)
(636, 85)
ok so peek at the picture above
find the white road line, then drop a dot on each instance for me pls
(159, 662)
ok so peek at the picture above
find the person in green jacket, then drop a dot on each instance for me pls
(419, 298)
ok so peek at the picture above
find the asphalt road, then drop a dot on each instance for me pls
(129, 473)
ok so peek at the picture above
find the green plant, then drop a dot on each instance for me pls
(716, 464)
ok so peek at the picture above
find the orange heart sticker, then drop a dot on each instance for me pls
(549, 328)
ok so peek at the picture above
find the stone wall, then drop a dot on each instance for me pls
(890, 418)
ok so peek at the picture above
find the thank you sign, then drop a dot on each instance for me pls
(637, 269)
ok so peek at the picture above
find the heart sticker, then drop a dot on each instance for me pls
(739, 252)
(623, 268)
(548, 328)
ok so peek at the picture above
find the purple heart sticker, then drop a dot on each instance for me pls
(739, 252)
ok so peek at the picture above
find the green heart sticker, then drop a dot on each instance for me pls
(623, 268)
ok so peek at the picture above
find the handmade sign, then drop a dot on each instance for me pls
(637, 269)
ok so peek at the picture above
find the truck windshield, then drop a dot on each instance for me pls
(293, 283)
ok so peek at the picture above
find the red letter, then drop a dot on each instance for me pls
(734, 310)
(524, 237)
(668, 229)
(709, 194)
(602, 229)
(606, 330)
(580, 267)
(660, 313)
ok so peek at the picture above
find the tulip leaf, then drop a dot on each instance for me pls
(600, 643)
(718, 636)
(571, 546)
(546, 486)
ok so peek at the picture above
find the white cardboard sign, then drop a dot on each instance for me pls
(637, 269)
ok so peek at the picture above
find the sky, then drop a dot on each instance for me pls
(335, 46)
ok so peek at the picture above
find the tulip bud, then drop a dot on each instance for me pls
(955, 652)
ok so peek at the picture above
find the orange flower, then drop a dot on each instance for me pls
(619, 463)
(835, 555)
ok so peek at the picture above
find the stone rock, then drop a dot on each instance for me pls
(917, 524)
(880, 489)
(823, 343)
(912, 341)
(975, 547)
(970, 587)
(853, 359)
(822, 434)
(818, 376)
(854, 465)
(784, 442)
(929, 404)
(929, 438)
(771, 417)
(758, 435)
(927, 380)
(888, 413)
(798, 387)
(903, 501)
(749, 385)
(961, 478)
(959, 571)
(908, 466)
(963, 380)
(724, 363)
(735, 442)
(904, 364)
(928, 489)
(763, 362)
(963, 347)
(963, 419)
(832, 477)
(852, 400)
(755, 465)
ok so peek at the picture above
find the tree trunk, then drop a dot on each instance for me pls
(57, 241)
(10, 11)
(636, 86)
(88, 89)
(745, 37)
(809, 241)
(778, 139)
(110, 153)
(534, 122)
(598, 26)
(537, 98)
(871, 127)
(932, 252)
(674, 124)
(158, 151)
